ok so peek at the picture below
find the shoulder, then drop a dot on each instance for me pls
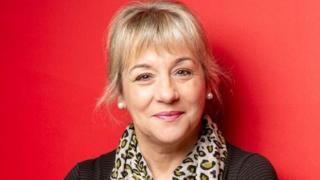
(245, 165)
(93, 169)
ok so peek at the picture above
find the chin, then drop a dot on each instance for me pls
(172, 135)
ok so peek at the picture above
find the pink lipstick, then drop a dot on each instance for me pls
(168, 115)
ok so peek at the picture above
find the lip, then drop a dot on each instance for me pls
(168, 115)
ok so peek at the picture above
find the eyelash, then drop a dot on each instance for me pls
(184, 72)
(147, 76)
(142, 77)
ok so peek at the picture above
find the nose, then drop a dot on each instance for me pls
(166, 91)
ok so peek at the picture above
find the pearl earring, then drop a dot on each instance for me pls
(209, 96)
(121, 105)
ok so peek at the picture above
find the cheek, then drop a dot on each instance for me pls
(138, 98)
(195, 92)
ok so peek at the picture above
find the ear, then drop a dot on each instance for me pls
(208, 86)
(120, 98)
(208, 90)
(209, 94)
(121, 102)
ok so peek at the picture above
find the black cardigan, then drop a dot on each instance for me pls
(240, 165)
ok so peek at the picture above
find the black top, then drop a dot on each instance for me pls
(240, 165)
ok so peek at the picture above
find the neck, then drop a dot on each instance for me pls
(161, 158)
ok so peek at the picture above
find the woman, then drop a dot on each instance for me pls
(161, 70)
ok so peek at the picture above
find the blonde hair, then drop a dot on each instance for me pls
(159, 25)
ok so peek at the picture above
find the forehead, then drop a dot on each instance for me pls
(152, 55)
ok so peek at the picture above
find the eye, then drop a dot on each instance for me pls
(143, 77)
(184, 72)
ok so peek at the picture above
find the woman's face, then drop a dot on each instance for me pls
(165, 95)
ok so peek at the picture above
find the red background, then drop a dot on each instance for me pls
(53, 71)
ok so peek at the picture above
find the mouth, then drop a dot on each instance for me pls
(168, 115)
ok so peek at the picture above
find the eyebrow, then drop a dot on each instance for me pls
(146, 66)
(179, 60)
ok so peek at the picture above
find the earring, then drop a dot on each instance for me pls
(209, 96)
(121, 105)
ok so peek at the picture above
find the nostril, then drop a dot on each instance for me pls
(169, 96)
(166, 91)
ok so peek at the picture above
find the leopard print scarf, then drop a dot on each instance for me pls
(206, 161)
